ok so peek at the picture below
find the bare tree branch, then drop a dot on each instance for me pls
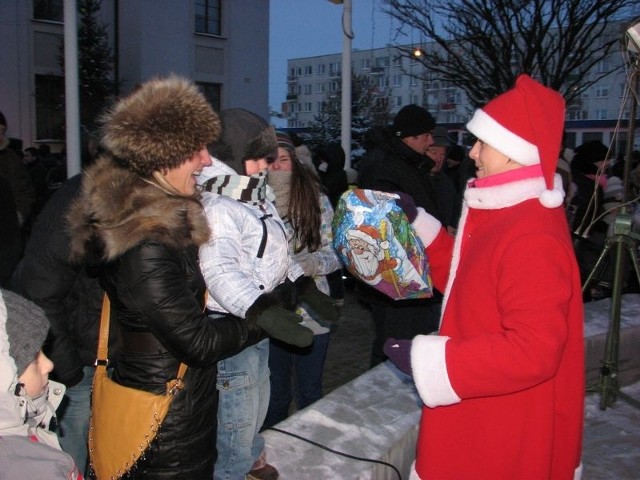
(481, 46)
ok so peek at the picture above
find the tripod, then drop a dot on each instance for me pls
(623, 242)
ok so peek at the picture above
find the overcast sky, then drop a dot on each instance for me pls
(306, 28)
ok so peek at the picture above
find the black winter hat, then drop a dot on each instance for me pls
(412, 120)
(586, 156)
(27, 328)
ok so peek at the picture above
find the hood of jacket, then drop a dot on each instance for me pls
(118, 210)
(20, 414)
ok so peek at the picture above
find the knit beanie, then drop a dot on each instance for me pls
(159, 125)
(526, 124)
(245, 135)
(412, 120)
(27, 328)
(284, 141)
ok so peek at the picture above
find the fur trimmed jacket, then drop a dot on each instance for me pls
(143, 243)
(503, 382)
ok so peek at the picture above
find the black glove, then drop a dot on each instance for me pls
(408, 206)
(279, 323)
(399, 352)
(321, 306)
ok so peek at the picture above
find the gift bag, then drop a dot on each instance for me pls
(378, 245)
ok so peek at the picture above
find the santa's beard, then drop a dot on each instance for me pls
(365, 263)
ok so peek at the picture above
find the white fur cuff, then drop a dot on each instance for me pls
(428, 364)
(426, 226)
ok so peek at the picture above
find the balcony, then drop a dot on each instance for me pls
(292, 79)
(292, 97)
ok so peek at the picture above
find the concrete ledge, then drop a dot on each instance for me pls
(596, 324)
(375, 416)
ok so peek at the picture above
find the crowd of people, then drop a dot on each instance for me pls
(210, 233)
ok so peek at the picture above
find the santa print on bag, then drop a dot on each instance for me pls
(378, 246)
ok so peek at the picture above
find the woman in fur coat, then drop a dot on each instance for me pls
(503, 381)
(139, 225)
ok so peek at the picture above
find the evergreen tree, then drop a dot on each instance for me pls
(369, 108)
(95, 64)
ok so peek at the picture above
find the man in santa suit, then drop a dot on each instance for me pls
(503, 381)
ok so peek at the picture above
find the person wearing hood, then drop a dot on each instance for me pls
(397, 161)
(28, 449)
(137, 224)
(330, 160)
(248, 274)
(502, 384)
(307, 216)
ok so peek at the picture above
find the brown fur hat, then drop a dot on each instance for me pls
(159, 125)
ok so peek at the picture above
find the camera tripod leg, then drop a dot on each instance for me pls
(609, 385)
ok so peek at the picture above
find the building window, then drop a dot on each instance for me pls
(208, 16)
(601, 114)
(382, 62)
(48, 10)
(366, 63)
(212, 92)
(397, 61)
(602, 91)
(398, 101)
(308, 70)
(49, 107)
(321, 69)
(307, 89)
(397, 80)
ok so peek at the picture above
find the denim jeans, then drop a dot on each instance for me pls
(307, 364)
(73, 419)
(243, 385)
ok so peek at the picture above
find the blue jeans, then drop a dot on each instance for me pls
(308, 364)
(73, 419)
(243, 385)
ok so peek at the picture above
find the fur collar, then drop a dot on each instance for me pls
(117, 210)
(507, 194)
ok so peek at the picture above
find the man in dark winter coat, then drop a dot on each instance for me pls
(396, 161)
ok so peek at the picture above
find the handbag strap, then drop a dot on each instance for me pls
(103, 337)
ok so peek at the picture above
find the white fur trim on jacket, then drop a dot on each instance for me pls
(426, 226)
(429, 367)
(513, 193)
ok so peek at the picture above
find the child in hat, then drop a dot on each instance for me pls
(28, 449)
(503, 381)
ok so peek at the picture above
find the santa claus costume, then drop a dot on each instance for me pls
(503, 382)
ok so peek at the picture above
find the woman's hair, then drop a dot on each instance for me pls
(304, 206)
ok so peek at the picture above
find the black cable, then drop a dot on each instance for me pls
(353, 457)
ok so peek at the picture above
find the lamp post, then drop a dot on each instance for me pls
(72, 96)
(347, 36)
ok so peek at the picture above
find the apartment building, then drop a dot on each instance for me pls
(311, 79)
(220, 44)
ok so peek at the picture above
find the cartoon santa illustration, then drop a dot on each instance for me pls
(368, 254)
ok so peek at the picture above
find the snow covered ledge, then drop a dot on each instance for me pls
(374, 416)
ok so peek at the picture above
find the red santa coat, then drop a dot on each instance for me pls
(503, 382)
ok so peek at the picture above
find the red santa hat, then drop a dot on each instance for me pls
(366, 233)
(526, 124)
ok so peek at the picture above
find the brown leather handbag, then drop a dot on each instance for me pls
(124, 421)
